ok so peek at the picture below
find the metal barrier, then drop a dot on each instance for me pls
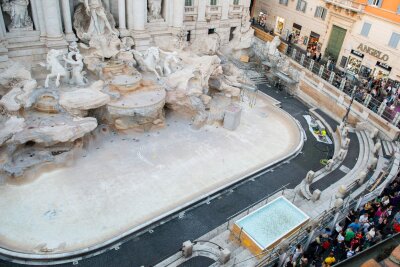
(343, 84)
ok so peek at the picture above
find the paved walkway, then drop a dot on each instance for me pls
(166, 239)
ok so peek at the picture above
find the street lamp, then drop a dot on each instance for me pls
(353, 96)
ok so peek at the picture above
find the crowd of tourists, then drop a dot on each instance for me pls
(362, 228)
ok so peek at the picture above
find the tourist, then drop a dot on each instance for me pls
(363, 219)
(350, 253)
(297, 252)
(319, 57)
(355, 225)
(349, 235)
(330, 260)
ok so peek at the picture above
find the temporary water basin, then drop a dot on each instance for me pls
(265, 227)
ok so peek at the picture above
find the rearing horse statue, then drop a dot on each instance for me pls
(56, 68)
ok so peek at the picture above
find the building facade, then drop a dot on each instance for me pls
(50, 23)
(361, 36)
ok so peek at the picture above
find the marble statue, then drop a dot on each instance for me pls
(54, 65)
(154, 10)
(75, 62)
(98, 18)
(95, 28)
(180, 38)
(18, 11)
(273, 46)
(149, 61)
(125, 51)
(171, 59)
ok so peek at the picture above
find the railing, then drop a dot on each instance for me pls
(213, 9)
(235, 9)
(344, 83)
(190, 10)
(348, 4)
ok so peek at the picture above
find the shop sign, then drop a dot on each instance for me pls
(373, 52)
(383, 66)
(355, 52)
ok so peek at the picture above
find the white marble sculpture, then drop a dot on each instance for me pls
(171, 60)
(154, 10)
(243, 36)
(99, 21)
(180, 38)
(95, 27)
(149, 61)
(125, 51)
(273, 47)
(18, 11)
(57, 70)
(75, 62)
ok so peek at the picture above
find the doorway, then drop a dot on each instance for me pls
(280, 23)
(335, 42)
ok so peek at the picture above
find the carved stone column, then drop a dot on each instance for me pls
(2, 25)
(130, 13)
(201, 10)
(69, 34)
(122, 18)
(179, 6)
(139, 11)
(54, 34)
(37, 5)
(225, 10)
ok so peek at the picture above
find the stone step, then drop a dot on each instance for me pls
(387, 148)
(24, 37)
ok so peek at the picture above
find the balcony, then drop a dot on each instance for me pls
(190, 13)
(213, 12)
(235, 11)
(351, 7)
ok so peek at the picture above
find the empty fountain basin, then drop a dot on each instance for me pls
(265, 227)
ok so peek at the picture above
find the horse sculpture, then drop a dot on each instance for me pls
(56, 68)
(149, 61)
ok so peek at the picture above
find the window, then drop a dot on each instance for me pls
(236, 2)
(283, 2)
(213, 2)
(394, 40)
(377, 3)
(343, 62)
(188, 3)
(301, 5)
(231, 33)
(320, 12)
(188, 35)
(211, 31)
(365, 29)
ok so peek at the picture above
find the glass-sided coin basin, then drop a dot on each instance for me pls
(265, 227)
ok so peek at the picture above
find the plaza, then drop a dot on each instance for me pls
(162, 133)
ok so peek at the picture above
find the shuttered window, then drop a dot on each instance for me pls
(188, 2)
(283, 2)
(377, 3)
(320, 12)
(394, 40)
(365, 29)
(301, 5)
(213, 2)
(236, 2)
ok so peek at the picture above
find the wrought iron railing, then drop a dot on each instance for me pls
(348, 85)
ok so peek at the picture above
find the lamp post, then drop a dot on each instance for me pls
(353, 96)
